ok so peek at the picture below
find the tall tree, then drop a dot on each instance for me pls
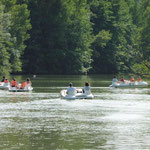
(145, 36)
(142, 65)
(102, 20)
(60, 37)
(5, 42)
(19, 25)
(113, 26)
(145, 30)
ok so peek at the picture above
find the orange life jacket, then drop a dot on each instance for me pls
(13, 83)
(23, 85)
(132, 79)
(6, 81)
(139, 79)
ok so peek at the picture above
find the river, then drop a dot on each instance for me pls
(116, 119)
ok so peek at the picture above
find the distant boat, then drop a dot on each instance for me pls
(27, 88)
(4, 86)
(79, 95)
(129, 84)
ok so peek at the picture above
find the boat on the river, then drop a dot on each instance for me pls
(78, 95)
(129, 84)
(27, 88)
(4, 86)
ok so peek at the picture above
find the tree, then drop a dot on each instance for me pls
(142, 65)
(145, 33)
(5, 66)
(60, 37)
(19, 25)
(113, 22)
(145, 37)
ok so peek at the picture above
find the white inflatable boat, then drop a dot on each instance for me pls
(4, 86)
(77, 95)
(129, 84)
(28, 88)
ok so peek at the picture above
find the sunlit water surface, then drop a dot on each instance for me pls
(116, 119)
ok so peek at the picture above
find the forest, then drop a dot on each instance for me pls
(74, 36)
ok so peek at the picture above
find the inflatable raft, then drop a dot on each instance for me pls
(129, 84)
(78, 95)
(28, 88)
(4, 86)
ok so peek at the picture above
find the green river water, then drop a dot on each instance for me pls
(116, 119)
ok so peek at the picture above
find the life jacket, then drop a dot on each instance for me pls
(23, 85)
(122, 80)
(13, 83)
(139, 79)
(6, 81)
(132, 79)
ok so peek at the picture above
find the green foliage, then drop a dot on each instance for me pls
(19, 27)
(60, 37)
(19, 24)
(143, 68)
(116, 54)
(145, 35)
(74, 37)
(5, 66)
(102, 38)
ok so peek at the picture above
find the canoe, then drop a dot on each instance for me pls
(79, 95)
(129, 84)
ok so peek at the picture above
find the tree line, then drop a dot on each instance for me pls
(74, 36)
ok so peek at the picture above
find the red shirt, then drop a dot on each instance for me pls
(132, 79)
(13, 83)
(6, 81)
(122, 80)
(23, 84)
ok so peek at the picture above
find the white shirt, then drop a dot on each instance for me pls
(114, 80)
(87, 90)
(71, 90)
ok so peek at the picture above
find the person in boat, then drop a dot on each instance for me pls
(87, 88)
(122, 80)
(114, 80)
(132, 79)
(3, 79)
(14, 83)
(6, 81)
(139, 79)
(71, 90)
(28, 81)
(23, 85)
